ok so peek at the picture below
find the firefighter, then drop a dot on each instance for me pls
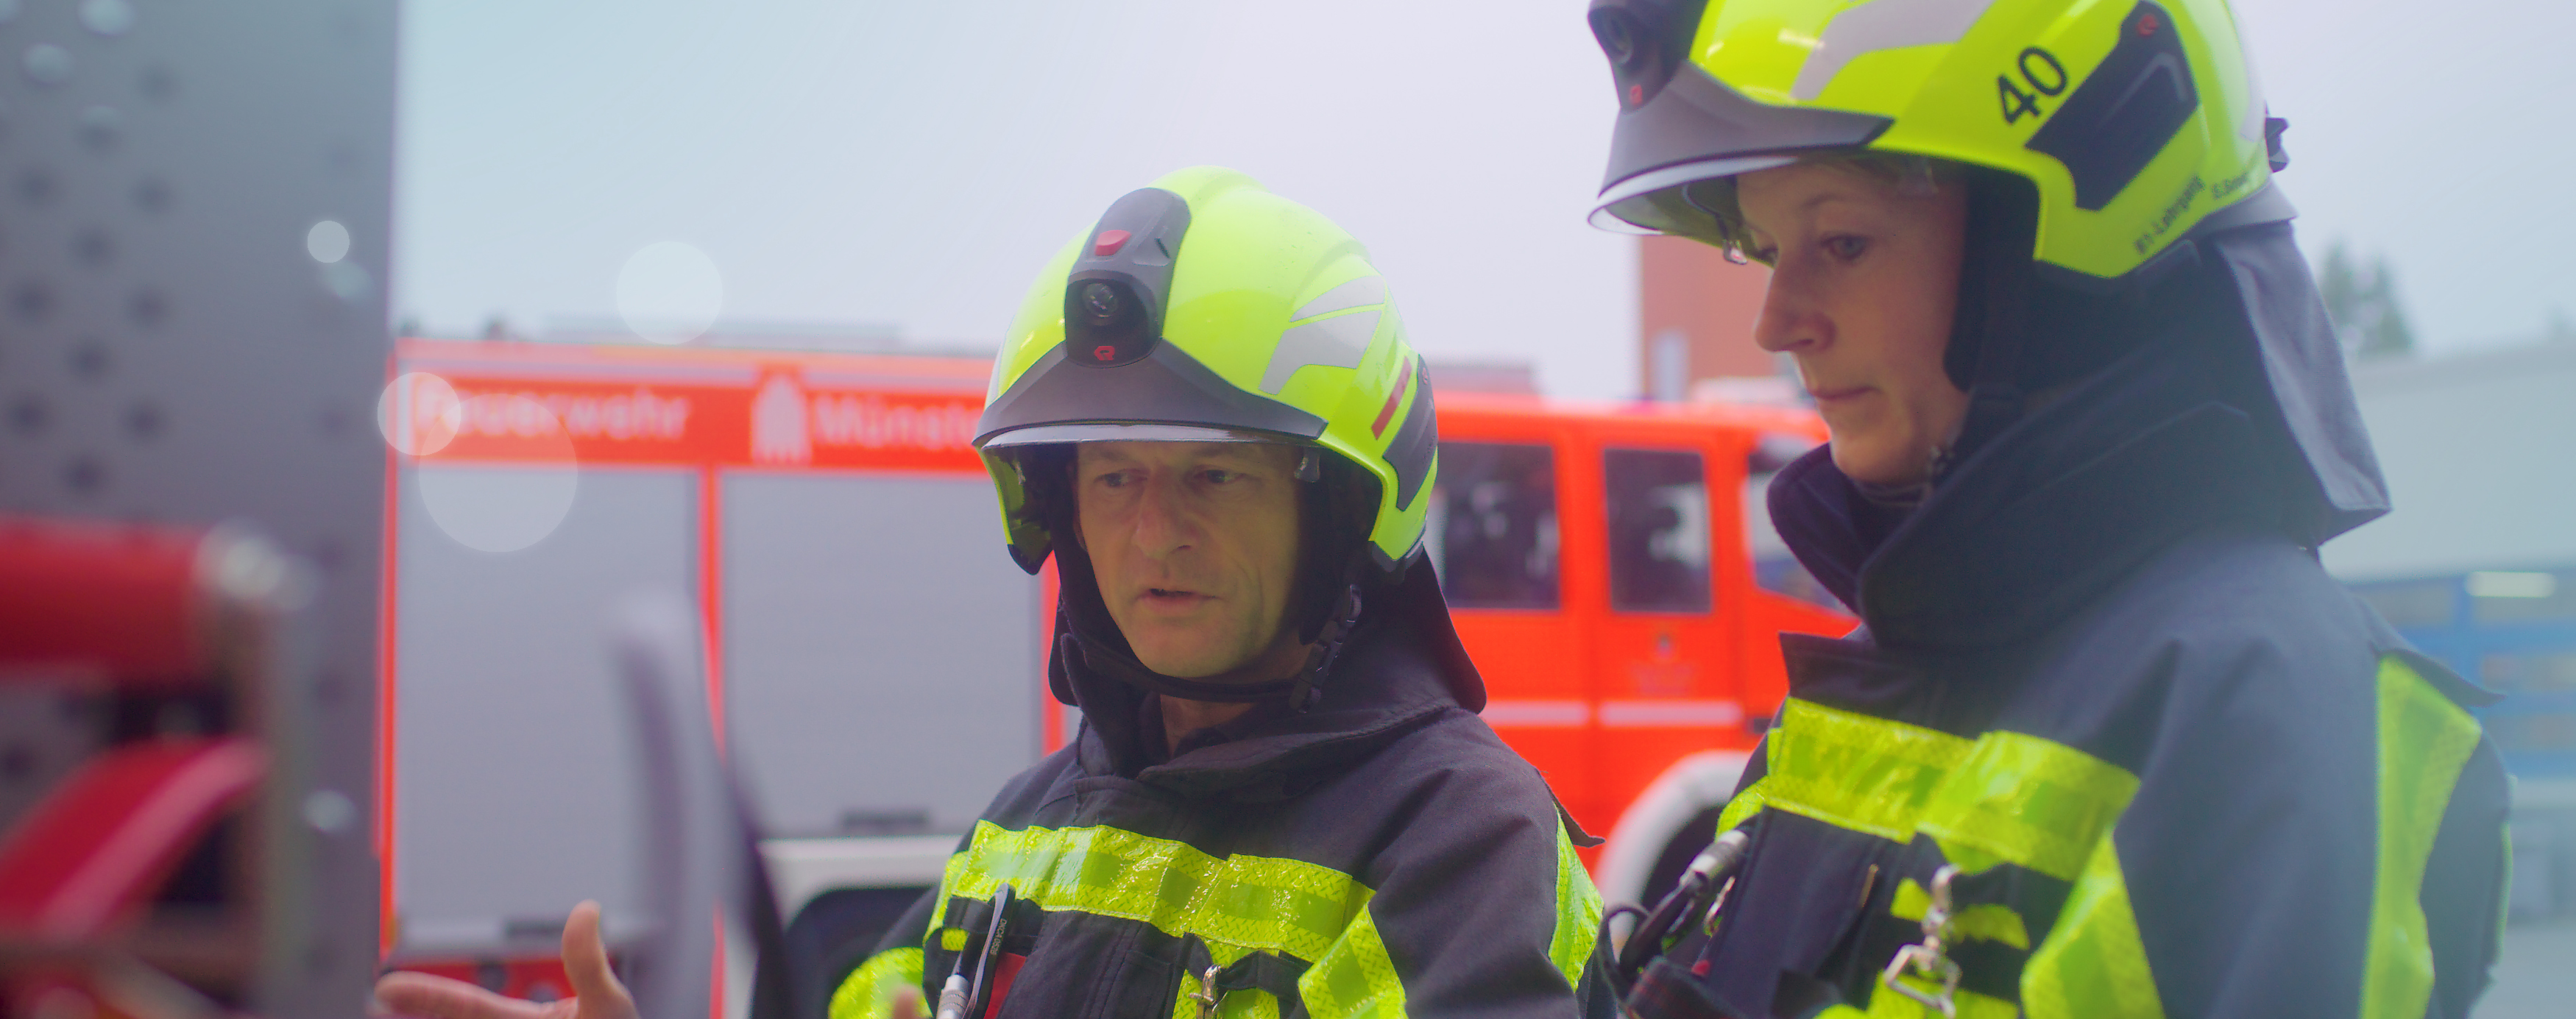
(1281, 795)
(2109, 741)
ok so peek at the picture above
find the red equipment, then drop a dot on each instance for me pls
(168, 845)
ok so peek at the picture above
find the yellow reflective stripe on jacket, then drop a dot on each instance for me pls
(2003, 797)
(2092, 964)
(1967, 1005)
(869, 992)
(1855, 771)
(1747, 802)
(1253, 902)
(2010, 797)
(2424, 741)
(1985, 920)
(1578, 913)
(2030, 801)
(1354, 978)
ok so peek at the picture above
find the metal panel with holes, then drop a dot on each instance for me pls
(194, 200)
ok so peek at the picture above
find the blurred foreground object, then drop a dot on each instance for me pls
(198, 203)
(700, 851)
(157, 825)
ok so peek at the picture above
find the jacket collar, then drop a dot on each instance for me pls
(2049, 515)
(1388, 682)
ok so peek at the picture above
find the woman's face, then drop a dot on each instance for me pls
(1864, 280)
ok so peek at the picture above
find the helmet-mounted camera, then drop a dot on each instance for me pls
(1114, 298)
(1644, 40)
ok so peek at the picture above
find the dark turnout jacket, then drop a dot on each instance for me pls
(2170, 766)
(1383, 854)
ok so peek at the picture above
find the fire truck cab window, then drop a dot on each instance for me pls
(1492, 527)
(1658, 510)
(1774, 568)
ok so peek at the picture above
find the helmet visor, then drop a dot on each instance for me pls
(1040, 435)
(1659, 201)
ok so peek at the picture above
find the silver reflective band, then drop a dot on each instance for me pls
(1336, 342)
(1358, 293)
(1882, 25)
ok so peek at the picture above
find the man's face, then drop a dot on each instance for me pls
(1195, 547)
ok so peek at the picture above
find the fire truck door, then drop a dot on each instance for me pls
(1496, 535)
(1667, 682)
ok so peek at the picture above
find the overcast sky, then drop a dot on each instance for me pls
(912, 164)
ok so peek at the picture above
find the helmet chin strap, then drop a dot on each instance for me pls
(1995, 292)
(1306, 687)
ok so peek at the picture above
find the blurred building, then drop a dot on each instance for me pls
(2477, 564)
(1695, 315)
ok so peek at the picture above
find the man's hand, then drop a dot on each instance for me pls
(596, 992)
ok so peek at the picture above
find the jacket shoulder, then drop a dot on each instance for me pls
(2246, 605)
(2226, 590)
(1017, 804)
(1462, 754)
(2236, 633)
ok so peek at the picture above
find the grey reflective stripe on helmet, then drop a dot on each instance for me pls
(1358, 293)
(1882, 25)
(1338, 342)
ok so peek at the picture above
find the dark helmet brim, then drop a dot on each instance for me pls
(1699, 128)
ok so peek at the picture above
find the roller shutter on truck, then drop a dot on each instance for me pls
(875, 651)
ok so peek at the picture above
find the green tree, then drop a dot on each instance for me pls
(2362, 301)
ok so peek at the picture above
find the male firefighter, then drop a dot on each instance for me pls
(2110, 742)
(1281, 800)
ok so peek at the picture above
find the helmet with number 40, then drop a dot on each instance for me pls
(2136, 121)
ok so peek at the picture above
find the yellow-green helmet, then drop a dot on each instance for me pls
(2136, 122)
(1206, 308)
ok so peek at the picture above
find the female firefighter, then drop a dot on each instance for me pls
(2109, 742)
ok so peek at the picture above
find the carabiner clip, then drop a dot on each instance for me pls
(1930, 959)
(1208, 996)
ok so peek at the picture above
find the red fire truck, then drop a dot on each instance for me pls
(876, 659)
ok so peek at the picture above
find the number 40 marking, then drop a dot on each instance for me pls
(2017, 103)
